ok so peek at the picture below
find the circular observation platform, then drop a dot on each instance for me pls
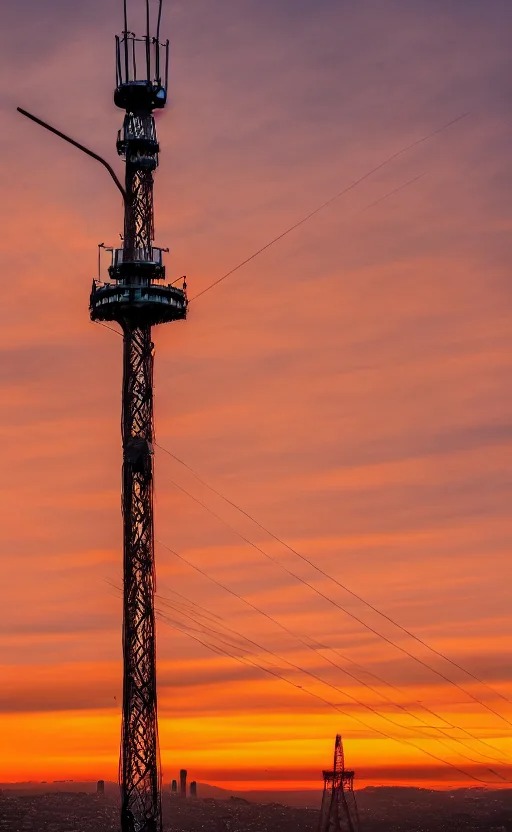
(139, 305)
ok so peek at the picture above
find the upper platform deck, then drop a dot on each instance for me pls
(137, 304)
(133, 295)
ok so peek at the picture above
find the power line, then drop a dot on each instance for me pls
(357, 679)
(421, 705)
(116, 331)
(330, 577)
(191, 606)
(280, 237)
(332, 199)
(339, 584)
(291, 664)
(339, 606)
(285, 629)
(280, 658)
(245, 660)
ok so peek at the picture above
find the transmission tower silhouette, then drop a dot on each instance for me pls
(136, 299)
(339, 808)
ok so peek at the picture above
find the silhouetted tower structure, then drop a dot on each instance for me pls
(183, 783)
(339, 809)
(136, 299)
(100, 787)
(174, 788)
(193, 789)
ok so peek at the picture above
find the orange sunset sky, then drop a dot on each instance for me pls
(349, 388)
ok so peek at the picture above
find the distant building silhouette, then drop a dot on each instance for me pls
(174, 788)
(100, 787)
(193, 789)
(183, 783)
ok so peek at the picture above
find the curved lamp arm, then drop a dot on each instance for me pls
(78, 145)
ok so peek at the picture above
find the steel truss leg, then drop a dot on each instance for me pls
(139, 759)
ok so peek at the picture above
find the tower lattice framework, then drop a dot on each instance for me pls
(136, 298)
(339, 808)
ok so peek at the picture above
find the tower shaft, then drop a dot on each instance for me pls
(139, 216)
(140, 775)
(136, 299)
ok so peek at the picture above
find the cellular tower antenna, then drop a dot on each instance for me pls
(136, 298)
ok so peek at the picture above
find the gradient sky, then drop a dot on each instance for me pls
(350, 388)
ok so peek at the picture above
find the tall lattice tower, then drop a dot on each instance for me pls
(136, 299)
(339, 808)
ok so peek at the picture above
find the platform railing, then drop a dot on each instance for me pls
(138, 255)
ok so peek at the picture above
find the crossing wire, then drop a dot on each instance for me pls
(331, 601)
(278, 623)
(357, 679)
(332, 578)
(332, 199)
(245, 660)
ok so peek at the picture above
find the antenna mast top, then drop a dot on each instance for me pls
(141, 87)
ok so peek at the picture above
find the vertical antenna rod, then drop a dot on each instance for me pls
(137, 300)
(148, 52)
(125, 40)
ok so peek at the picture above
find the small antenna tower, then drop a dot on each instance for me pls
(339, 809)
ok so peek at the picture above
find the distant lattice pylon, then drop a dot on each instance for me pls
(339, 809)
